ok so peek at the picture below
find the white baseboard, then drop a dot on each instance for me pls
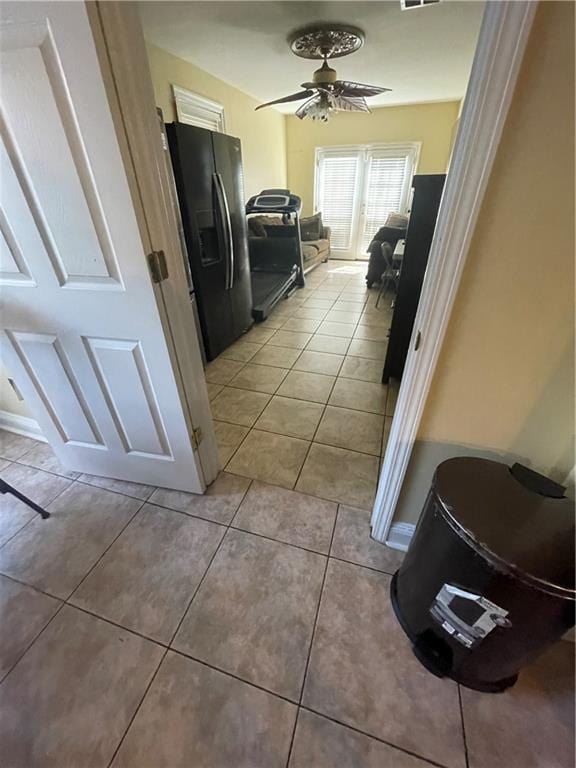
(21, 425)
(400, 535)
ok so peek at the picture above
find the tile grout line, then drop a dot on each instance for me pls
(36, 516)
(169, 646)
(463, 724)
(312, 635)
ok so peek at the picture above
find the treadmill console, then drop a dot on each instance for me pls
(274, 201)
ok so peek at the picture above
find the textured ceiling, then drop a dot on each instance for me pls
(422, 55)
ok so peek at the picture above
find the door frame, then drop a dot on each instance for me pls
(499, 52)
(124, 63)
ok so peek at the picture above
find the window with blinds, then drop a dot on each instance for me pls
(356, 189)
(386, 190)
(193, 109)
(337, 181)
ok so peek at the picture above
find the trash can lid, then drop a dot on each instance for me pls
(522, 531)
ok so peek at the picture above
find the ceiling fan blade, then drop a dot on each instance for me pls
(349, 103)
(348, 88)
(293, 97)
(302, 110)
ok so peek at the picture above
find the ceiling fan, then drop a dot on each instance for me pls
(326, 94)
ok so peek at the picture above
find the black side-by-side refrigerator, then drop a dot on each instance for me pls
(208, 174)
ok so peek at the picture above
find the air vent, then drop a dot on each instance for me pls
(406, 5)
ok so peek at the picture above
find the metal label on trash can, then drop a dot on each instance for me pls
(466, 616)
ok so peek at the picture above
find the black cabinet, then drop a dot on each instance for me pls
(424, 212)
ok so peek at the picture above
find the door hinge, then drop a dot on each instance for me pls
(158, 266)
(417, 341)
(197, 437)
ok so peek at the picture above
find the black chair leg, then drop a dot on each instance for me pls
(5, 488)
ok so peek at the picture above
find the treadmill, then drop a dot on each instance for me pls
(276, 267)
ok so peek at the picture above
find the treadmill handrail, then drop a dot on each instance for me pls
(228, 239)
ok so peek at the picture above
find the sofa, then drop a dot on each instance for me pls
(314, 236)
(315, 240)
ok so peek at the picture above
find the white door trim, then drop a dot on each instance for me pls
(502, 40)
(124, 63)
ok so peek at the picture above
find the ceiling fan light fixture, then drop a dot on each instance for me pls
(326, 93)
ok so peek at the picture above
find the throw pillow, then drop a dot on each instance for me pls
(397, 220)
(311, 227)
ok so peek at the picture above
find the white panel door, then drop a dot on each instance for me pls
(81, 335)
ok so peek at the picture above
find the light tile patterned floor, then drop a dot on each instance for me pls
(310, 375)
(247, 628)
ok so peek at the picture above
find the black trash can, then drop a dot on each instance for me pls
(488, 581)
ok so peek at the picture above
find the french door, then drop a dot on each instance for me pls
(357, 187)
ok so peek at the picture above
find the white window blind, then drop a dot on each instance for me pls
(337, 182)
(356, 189)
(386, 189)
(193, 109)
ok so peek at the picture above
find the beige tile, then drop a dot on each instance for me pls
(213, 389)
(315, 387)
(345, 330)
(305, 324)
(252, 585)
(386, 434)
(310, 312)
(350, 318)
(136, 490)
(348, 306)
(272, 322)
(287, 516)
(13, 446)
(241, 350)
(281, 357)
(380, 320)
(228, 437)
(374, 350)
(371, 333)
(352, 542)
(219, 503)
(531, 724)
(269, 457)
(325, 295)
(392, 398)
(239, 406)
(318, 362)
(4, 464)
(293, 339)
(220, 371)
(147, 578)
(72, 696)
(259, 334)
(355, 430)
(321, 743)
(359, 395)
(55, 554)
(340, 475)
(362, 671)
(41, 487)
(332, 344)
(43, 457)
(24, 612)
(362, 369)
(317, 304)
(259, 378)
(198, 717)
(295, 418)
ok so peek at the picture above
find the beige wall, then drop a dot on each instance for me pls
(431, 124)
(504, 385)
(263, 134)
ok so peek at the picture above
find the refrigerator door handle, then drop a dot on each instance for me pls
(225, 218)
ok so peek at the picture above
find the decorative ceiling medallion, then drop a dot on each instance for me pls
(321, 41)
